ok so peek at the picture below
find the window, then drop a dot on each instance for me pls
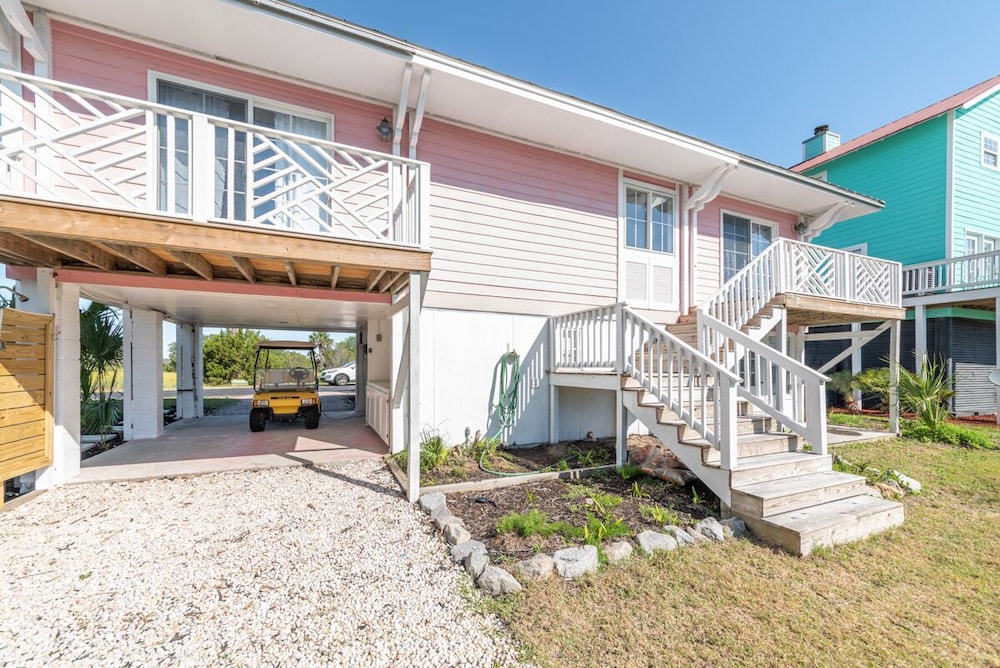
(976, 242)
(991, 151)
(649, 220)
(742, 240)
(287, 174)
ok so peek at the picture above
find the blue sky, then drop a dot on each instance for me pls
(755, 77)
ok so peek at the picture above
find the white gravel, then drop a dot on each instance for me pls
(289, 566)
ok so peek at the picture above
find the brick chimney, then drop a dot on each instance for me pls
(822, 141)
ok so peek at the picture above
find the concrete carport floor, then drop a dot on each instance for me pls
(224, 443)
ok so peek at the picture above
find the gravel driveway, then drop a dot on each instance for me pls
(291, 566)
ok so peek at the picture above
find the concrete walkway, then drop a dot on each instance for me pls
(225, 443)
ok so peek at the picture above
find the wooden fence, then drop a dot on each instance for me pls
(26, 371)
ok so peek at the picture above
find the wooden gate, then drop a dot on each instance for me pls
(26, 370)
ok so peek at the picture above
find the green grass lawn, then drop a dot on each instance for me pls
(926, 593)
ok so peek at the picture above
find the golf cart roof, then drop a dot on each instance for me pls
(284, 345)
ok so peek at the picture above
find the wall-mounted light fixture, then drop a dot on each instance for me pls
(384, 130)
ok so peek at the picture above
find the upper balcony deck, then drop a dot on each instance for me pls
(94, 180)
(972, 281)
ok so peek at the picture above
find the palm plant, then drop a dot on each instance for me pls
(842, 382)
(101, 355)
(926, 393)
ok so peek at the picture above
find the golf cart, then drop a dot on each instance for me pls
(285, 384)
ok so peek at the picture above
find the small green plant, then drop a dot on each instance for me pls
(926, 393)
(630, 472)
(535, 523)
(843, 383)
(605, 502)
(952, 434)
(637, 492)
(586, 459)
(561, 465)
(660, 515)
(600, 529)
(695, 496)
(875, 382)
(434, 452)
(529, 497)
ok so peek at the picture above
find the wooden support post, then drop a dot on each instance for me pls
(920, 329)
(553, 412)
(894, 377)
(413, 387)
(621, 429)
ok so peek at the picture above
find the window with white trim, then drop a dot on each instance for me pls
(649, 220)
(743, 239)
(977, 242)
(990, 151)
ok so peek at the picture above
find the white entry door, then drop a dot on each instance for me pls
(648, 277)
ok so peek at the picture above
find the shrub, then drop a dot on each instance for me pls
(875, 382)
(842, 382)
(951, 434)
(926, 393)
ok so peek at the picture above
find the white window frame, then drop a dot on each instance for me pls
(981, 241)
(983, 152)
(859, 249)
(650, 190)
(153, 77)
(754, 220)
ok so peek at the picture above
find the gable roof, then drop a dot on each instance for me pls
(973, 94)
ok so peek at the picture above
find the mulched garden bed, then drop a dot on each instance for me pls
(550, 457)
(571, 501)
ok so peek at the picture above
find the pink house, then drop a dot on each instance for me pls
(234, 169)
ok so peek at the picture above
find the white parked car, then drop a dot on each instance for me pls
(340, 376)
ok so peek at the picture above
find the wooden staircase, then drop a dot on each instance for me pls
(787, 496)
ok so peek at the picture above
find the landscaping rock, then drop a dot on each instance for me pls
(890, 490)
(572, 562)
(906, 482)
(618, 551)
(476, 563)
(537, 568)
(495, 581)
(734, 527)
(697, 536)
(710, 528)
(442, 522)
(654, 541)
(682, 537)
(440, 511)
(456, 533)
(871, 491)
(463, 550)
(428, 502)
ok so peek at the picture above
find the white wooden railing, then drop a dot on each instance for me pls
(690, 384)
(961, 273)
(614, 339)
(788, 266)
(75, 145)
(787, 390)
(586, 340)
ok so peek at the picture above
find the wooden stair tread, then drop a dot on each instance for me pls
(774, 489)
(829, 515)
(759, 461)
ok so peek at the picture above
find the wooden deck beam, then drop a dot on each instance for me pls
(76, 249)
(196, 263)
(17, 247)
(138, 256)
(245, 267)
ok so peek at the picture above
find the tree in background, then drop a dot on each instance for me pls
(171, 364)
(230, 354)
(101, 356)
(333, 355)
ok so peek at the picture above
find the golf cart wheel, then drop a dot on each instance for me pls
(340, 379)
(312, 418)
(258, 418)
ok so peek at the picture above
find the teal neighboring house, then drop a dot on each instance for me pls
(938, 172)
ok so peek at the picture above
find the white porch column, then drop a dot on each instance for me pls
(189, 371)
(413, 383)
(920, 329)
(856, 362)
(143, 351)
(397, 381)
(894, 377)
(66, 392)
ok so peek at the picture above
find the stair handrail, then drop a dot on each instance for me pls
(586, 340)
(771, 378)
(750, 289)
(651, 355)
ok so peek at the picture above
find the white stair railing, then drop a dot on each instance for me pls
(691, 385)
(787, 390)
(586, 340)
(794, 267)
